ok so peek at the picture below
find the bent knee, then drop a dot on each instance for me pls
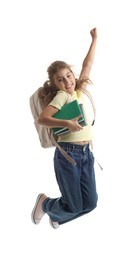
(91, 203)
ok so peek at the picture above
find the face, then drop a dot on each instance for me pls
(65, 80)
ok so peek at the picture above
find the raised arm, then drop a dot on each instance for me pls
(88, 61)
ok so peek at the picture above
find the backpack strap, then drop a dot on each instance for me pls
(86, 92)
(62, 150)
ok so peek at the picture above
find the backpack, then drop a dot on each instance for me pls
(46, 136)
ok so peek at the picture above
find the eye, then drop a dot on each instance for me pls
(60, 80)
(69, 75)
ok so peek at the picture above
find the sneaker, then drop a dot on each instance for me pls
(53, 224)
(37, 212)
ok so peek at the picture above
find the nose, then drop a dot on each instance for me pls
(66, 81)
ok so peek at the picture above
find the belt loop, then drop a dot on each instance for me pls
(84, 148)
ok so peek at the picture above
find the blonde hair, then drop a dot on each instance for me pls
(49, 90)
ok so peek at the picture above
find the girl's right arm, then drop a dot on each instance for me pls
(46, 119)
(88, 61)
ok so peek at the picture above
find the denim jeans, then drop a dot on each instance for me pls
(76, 183)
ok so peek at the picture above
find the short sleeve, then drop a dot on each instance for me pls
(59, 100)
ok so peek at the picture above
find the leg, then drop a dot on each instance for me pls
(68, 178)
(88, 183)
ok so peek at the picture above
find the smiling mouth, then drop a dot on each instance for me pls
(69, 86)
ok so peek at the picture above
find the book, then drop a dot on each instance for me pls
(68, 112)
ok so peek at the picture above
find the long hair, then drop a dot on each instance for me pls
(49, 90)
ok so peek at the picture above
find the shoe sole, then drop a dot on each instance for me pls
(52, 224)
(34, 209)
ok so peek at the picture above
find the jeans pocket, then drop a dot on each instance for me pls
(59, 155)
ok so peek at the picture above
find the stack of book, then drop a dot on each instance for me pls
(68, 112)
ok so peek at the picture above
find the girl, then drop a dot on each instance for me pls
(77, 184)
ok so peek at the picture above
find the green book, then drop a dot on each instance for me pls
(68, 112)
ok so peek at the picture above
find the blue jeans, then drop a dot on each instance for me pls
(77, 184)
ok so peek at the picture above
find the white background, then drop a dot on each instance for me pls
(32, 35)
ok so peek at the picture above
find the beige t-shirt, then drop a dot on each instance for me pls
(83, 135)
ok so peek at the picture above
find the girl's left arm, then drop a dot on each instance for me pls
(88, 61)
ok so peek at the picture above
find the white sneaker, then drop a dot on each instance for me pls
(53, 224)
(37, 212)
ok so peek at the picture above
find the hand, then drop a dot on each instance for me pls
(73, 124)
(93, 33)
